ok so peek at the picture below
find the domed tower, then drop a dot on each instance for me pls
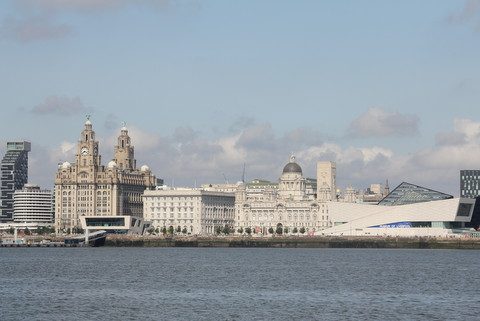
(292, 184)
(87, 149)
(124, 151)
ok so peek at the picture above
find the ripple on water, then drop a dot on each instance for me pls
(238, 284)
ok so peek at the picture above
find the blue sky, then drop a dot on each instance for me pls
(388, 89)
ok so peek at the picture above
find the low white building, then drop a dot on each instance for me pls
(115, 224)
(33, 205)
(196, 210)
(435, 218)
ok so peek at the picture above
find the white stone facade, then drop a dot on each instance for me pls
(87, 188)
(259, 206)
(32, 205)
(326, 181)
(196, 210)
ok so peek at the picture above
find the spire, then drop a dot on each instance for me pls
(387, 188)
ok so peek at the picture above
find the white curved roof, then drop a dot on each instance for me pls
(111, 164)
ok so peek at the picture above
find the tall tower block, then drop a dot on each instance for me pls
(14, 174)
(326, 181)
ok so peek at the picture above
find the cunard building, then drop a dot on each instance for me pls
(88, 188)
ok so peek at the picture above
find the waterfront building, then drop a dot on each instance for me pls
(88, 188)
(441, 217)
(350, 195)
(226, 187)
(118, 224)
(326, 181)
(14, 174)
(33, 205)
(407, 193)
(196, 211)
(409, 210)
(375, 193)
(470, 183)
(262, 205)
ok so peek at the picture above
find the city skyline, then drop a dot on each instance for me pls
(203, 91)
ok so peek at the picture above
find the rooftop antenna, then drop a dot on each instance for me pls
(243, 174)
(225, 178)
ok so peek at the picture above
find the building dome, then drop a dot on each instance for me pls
(66, 165)
(111, 164)
(144, 168)
(292, 167)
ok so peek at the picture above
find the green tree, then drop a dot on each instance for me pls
(295, 230)
(26, 231)
(179, 229)
(157, 231)
(240, 230)
(218, 230)
(271, 230)
(170, 229)
(248, 230)
(184, 231)
(150, 230)
(77, 230)
(226, 230)
(164, 230)
(279, 229)
(68, 231)
(285, 230)
(302, 230)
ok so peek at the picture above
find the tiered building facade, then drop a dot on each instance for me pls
(88, 188)
(288, 206)
(32, 204)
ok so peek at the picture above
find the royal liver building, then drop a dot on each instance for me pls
(88, 188)
(292, 203)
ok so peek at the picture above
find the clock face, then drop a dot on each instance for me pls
(84, 151)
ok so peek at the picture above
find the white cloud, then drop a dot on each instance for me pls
(61, 106)
(186, 155)
(38, 20)
(85, 5)
(377, 122)
(33, 28)
(468, 14)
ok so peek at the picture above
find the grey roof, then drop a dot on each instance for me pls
(407, 193)
(292, 168)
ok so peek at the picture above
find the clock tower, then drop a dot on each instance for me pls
(87, 150)
(124, 151)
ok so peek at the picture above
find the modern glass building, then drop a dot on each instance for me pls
(407, 193)
(14, 174)
(470, 183)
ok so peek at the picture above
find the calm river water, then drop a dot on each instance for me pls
(238, 284)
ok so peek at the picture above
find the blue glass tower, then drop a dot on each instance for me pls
(14, 174)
